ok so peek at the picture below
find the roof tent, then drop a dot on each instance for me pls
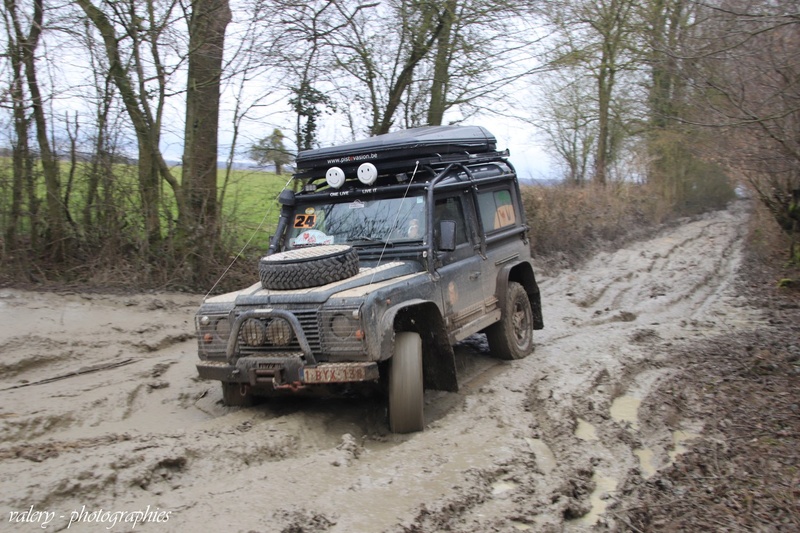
(396, 151)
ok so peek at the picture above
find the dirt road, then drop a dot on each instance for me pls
(101, 413)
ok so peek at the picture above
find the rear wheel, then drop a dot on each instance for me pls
(512, 337)
(405, 384)
(236, 395)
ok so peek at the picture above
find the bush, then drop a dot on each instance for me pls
(569, 223)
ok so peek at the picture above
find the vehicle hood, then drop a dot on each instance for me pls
(367, 280)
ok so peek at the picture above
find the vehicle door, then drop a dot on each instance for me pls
(459, 269)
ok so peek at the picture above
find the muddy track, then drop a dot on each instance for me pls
(539, 444)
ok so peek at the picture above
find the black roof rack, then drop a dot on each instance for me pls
(401, 151)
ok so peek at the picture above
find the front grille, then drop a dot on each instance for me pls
(308, 322)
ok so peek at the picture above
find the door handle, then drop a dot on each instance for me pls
(474, 275)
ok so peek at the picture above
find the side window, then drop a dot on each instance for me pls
(497, 210)
(450, 209)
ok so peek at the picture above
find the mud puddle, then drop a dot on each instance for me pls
(539, 444)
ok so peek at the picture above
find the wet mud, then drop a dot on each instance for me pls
(100, 408)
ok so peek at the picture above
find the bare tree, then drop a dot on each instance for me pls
(98, 219)
(569, 123)
(131, 81)
(415, 61)
(486, 52)
(141, 75)
(22, 167)
(305, 37)
(26, 46)
(127, 91)
(747, 60)
(603, 39)
(667, 144)
(377, 56)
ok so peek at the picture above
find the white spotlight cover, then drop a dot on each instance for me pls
(335, 177)
(367, 173)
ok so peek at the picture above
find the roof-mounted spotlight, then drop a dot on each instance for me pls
(367, 173)
(335, 177)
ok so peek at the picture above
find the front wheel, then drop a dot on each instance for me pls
(512, 337)
(405, 384)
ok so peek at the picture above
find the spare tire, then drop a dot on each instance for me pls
(308, 267)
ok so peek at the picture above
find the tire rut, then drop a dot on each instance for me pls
(542, 444)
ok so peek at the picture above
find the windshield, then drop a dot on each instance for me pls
(360, 222)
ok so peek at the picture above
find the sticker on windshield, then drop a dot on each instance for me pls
(305, 221)
(358, 204)
(312, 237)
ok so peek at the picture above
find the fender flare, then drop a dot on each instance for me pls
(425, 318)
(522, 273)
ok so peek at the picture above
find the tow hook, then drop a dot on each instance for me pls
(294, 386)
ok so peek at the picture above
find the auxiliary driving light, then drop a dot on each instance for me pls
(367, 173)
(335, 177)
(254, 333)
(279, 332)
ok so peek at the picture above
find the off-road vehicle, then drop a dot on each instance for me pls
(391, 250)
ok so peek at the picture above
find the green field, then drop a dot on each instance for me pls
(250, 209)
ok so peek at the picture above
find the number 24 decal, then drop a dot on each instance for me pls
(304, 221)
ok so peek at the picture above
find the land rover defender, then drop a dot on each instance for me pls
(388, 252)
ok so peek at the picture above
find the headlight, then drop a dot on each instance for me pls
(253, 332)
(213, 331)
(222, 328)
(344, 326)
(279, 332)
(342, 332)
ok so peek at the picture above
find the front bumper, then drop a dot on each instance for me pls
(286, 372)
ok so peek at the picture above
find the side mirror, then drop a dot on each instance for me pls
(447, 235)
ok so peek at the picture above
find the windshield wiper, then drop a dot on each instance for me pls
(364, 240)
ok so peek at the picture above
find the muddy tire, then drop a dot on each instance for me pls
(308, 267)
(405, 385)
(512, 337)
(236, 395)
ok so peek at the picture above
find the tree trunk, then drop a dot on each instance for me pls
(419, 49)
(56, 235)
(20, 150)
(100, 154)
(149, 191)
(209, 20)
(441, 67)
(603, 123)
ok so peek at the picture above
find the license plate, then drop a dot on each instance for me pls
(335, 373)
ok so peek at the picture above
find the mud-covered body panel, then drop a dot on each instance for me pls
(438, 238)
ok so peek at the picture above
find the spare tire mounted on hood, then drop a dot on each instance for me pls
(308, 267)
